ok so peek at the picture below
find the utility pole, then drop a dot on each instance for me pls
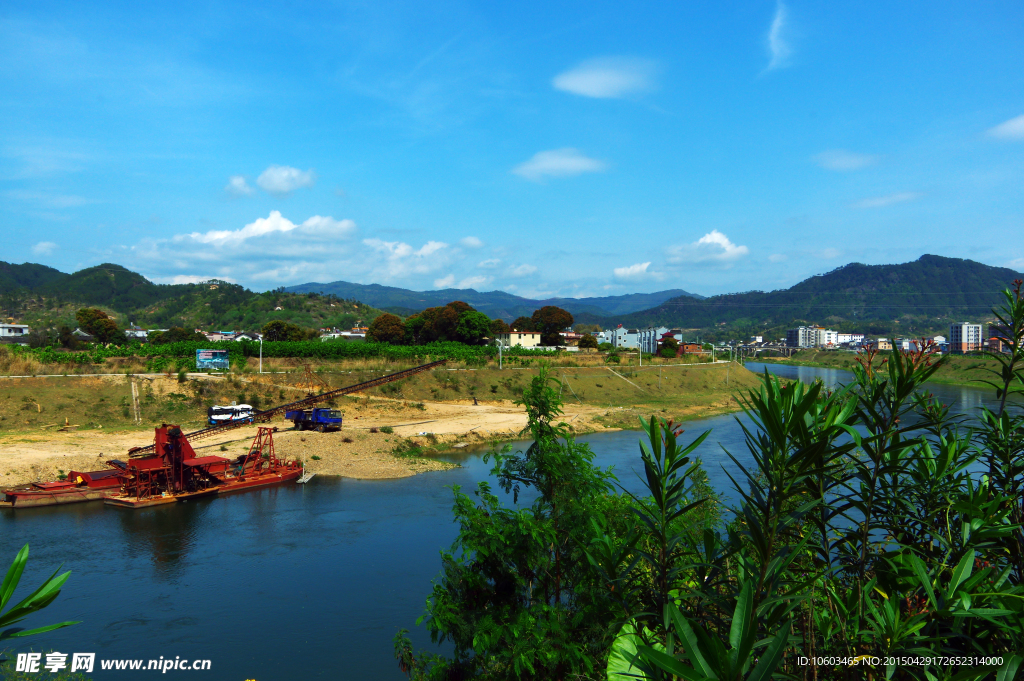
(261, 354)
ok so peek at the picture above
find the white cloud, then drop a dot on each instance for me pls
(276, 223)
(1012, 129)
(44, 248)
(883, 201)
(712, 248)
(778, 257)
(778, 47)
(445, 282)
(488, 264)
(521, 270)
(471, 242)
(636, 271)
(237, 186)
(840, 159)
(827, 253)
(283, 180)
(470, 282)
(610, 77)
(1017, 264)
(558, 163)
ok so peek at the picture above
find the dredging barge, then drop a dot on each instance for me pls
(169, 470)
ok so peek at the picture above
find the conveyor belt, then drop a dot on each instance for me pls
(305, 403)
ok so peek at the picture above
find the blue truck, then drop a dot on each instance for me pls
(321, 420)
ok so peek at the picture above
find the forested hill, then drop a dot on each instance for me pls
(44, 297)
(925, 294)
(495, 304)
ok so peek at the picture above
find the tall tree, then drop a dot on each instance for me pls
(551, 321)
(523, 324)
(98, 323)
(387, 328)
(473, 327)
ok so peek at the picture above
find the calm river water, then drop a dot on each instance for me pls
(290, 583)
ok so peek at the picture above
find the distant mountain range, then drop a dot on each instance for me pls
(495, 304)
(914, 297)
(924, 294)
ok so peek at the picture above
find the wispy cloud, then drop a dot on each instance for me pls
(276, 223)
(843, 160)
(54, 200)
(489, 264)
(779, 50)
(608, 78)
(471, 242)
(827, 254)
(470, 282)
(888, 200)
(632, 272)
(713, 248)
(44, 248)
(445, 282)
(558, 163)
(778, 257)
(283, 180)
(237, 186)
(521, 270)
(1012, 129)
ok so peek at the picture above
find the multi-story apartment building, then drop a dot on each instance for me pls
(965, 337)
(812, 337)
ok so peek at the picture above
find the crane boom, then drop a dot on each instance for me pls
(268, 414)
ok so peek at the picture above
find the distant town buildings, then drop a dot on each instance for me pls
(965, 337)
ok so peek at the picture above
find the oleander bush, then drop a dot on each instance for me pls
(877, 535)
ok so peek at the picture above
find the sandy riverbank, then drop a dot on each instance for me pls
(354, 452)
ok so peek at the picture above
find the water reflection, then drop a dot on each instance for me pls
(335, 566)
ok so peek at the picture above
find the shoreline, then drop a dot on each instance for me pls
(361, 450)
(943, 379)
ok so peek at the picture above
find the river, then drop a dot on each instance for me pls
(295, 582)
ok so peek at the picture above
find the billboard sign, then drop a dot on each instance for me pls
(212, 359)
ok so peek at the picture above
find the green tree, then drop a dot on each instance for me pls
(387, 328)
(473, 327)
(98, 324)
(551, 321)
(499, 326)
(588, 341)
(516, 597)
(523, 324)
(278, 330)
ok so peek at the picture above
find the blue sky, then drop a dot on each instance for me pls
(545, 149)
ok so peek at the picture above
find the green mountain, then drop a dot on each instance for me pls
(47, 298)
(27, 275)
(495, 304)
(914, 297)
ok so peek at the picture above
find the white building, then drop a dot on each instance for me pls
(847, 338)
(965, 337)
(13, 331)
(812, 337)
(647, 339)
(625, 338)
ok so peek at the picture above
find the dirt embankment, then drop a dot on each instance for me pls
(595, 400)
(356, 451)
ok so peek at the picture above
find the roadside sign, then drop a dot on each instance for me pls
(212, 359)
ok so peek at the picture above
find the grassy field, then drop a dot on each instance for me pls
(34, 405)
(956, 369)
